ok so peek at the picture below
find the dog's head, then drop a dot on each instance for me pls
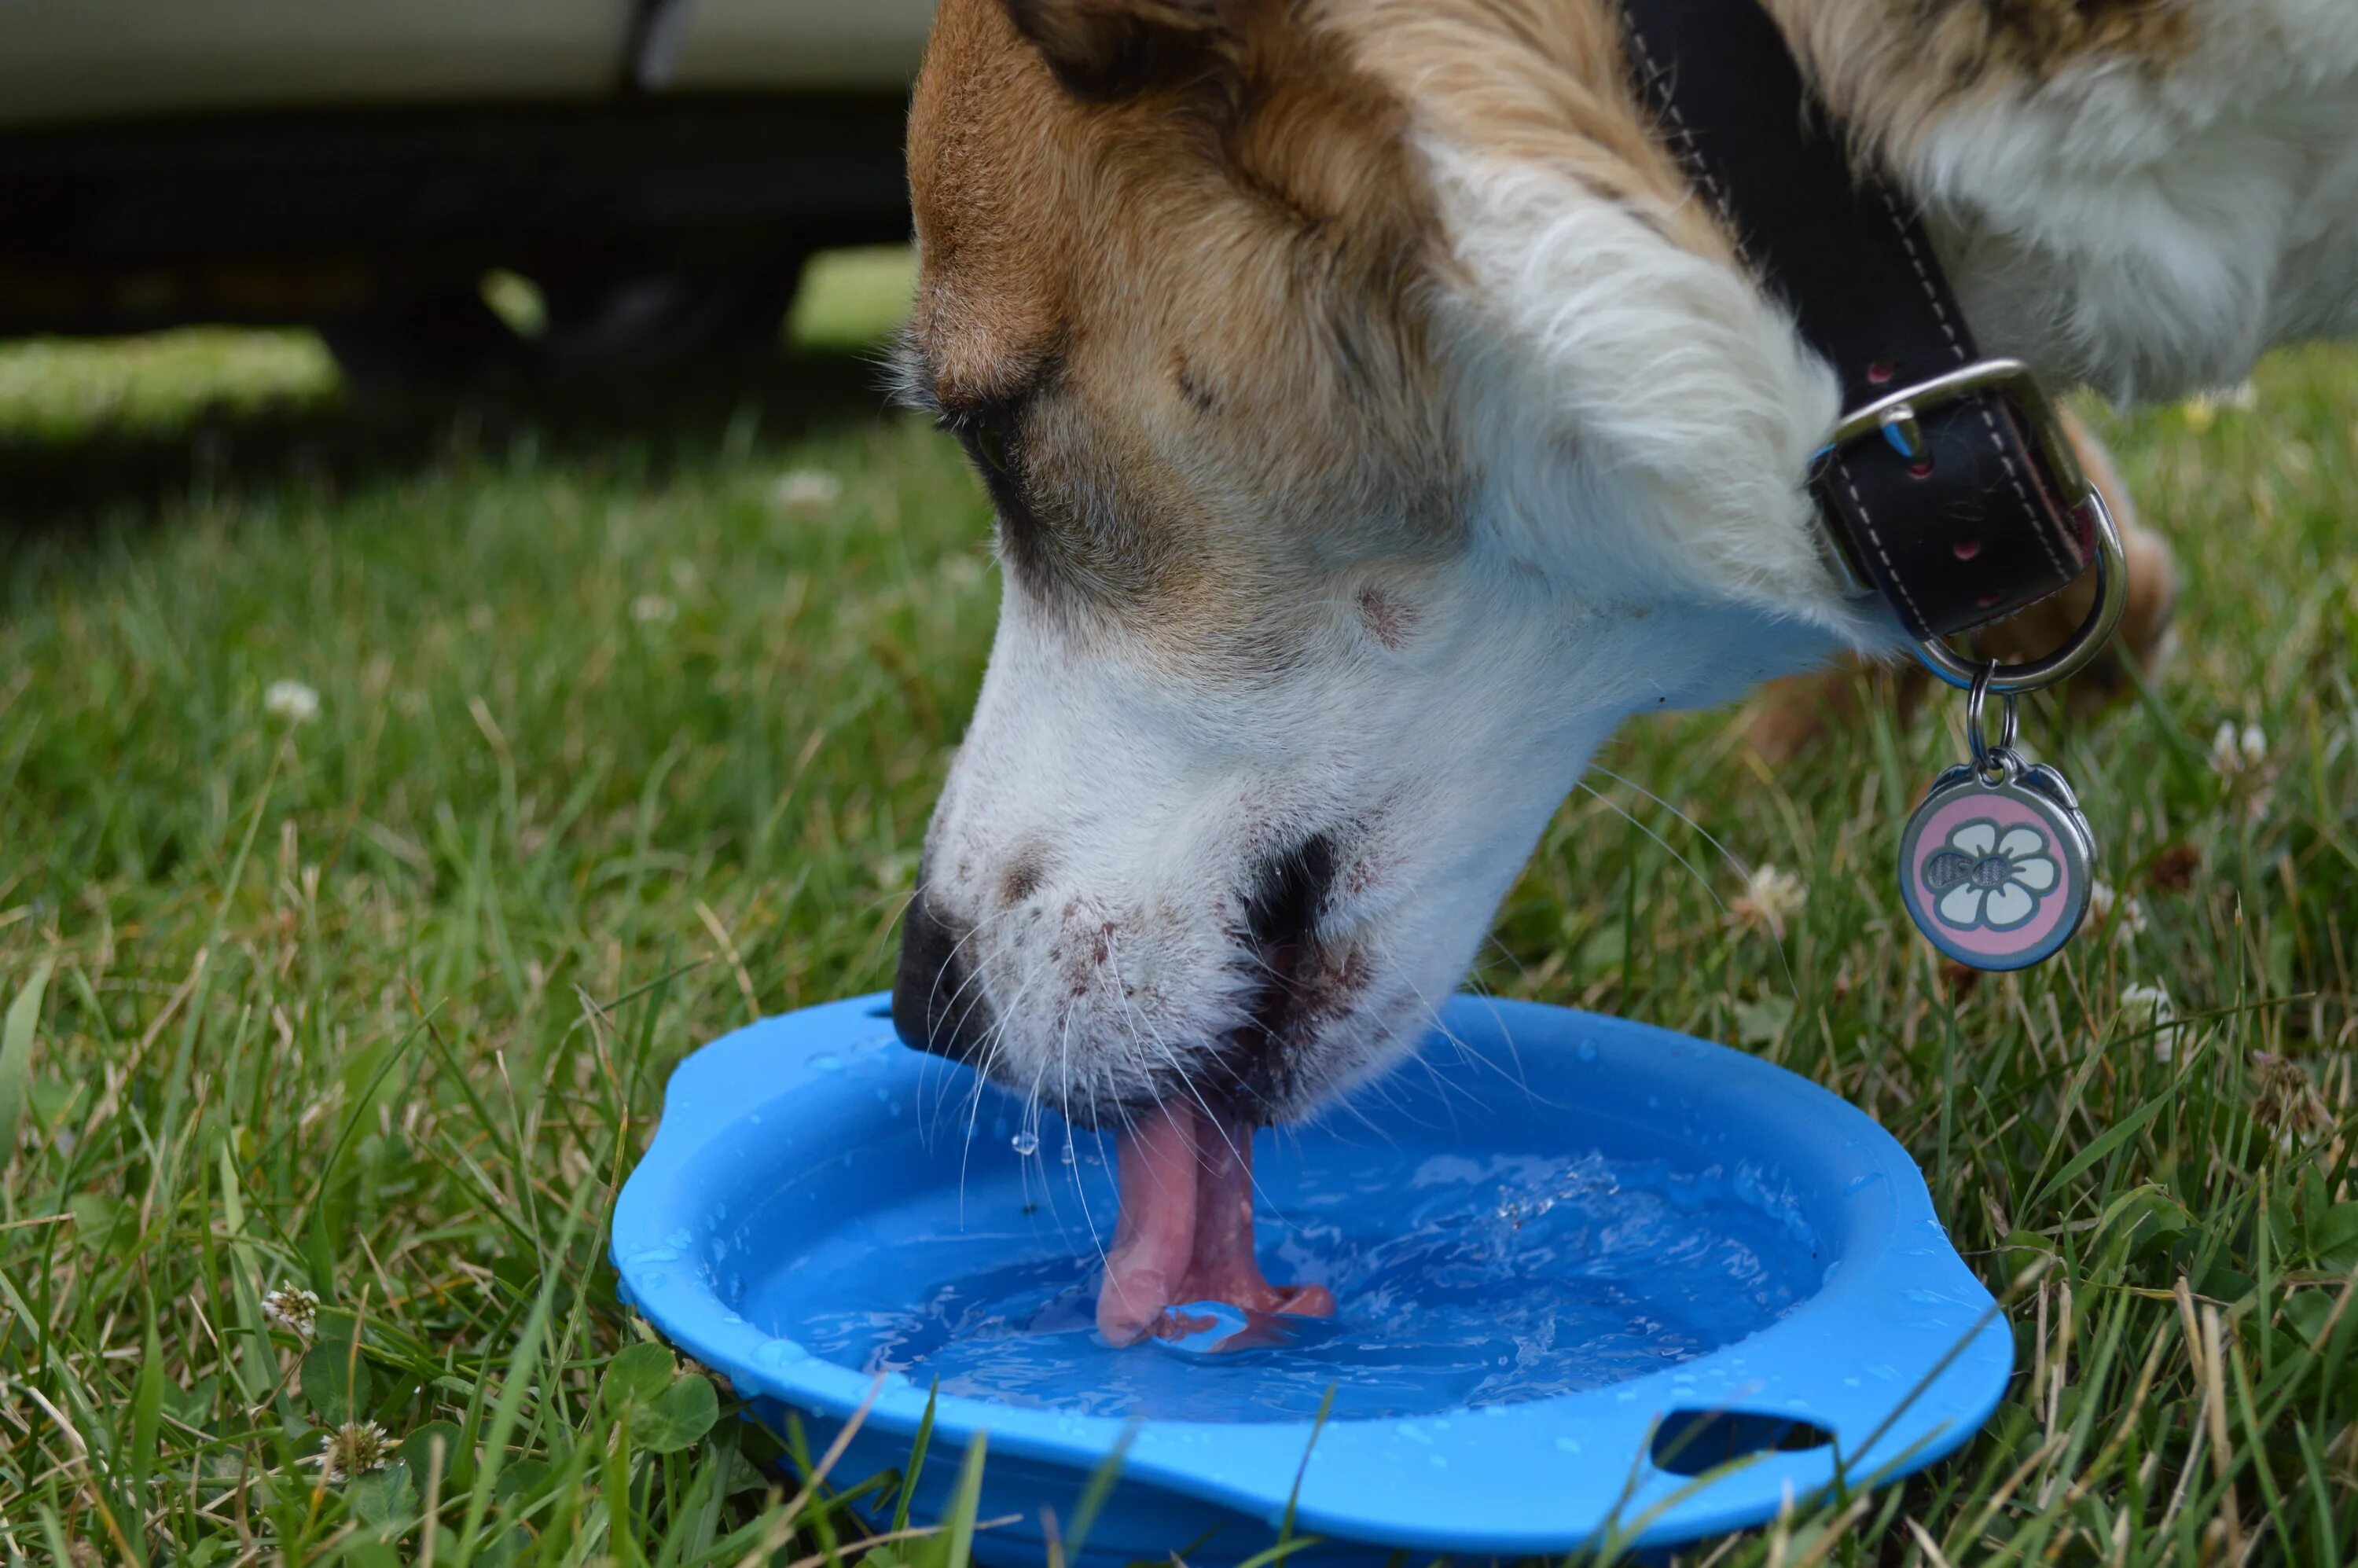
(1373, 422)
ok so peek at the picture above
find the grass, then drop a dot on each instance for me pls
(622, 738)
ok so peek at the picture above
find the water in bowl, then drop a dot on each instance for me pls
(1463, 1281)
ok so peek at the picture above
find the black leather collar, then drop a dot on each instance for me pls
(1950, 489)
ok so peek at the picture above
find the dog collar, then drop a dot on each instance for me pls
(1949, 489)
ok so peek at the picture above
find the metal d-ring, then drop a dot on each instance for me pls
(2112, 599)
(1990, 762)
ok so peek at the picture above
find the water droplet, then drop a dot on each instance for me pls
(780, 1353)
(1586, 1051)
(1026, 1142)
(1068, 1155)
(827, 1062)
(1567, 1445)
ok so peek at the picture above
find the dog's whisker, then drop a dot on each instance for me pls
(1742, 868)
(1434, 1025)
(1704, 883)
(949, 961)
(994, 1042)
(1261, 1194)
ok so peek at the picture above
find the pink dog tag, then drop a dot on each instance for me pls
(1995, 867)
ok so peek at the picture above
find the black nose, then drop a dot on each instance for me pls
(938, 1005)
(1282, 905)
(1288, 893)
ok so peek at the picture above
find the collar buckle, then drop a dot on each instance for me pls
(1894, 419)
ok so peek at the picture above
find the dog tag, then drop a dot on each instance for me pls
(1996, 865)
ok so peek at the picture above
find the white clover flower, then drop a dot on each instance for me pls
(294, 1309)
(2226, 761)
(806, 492)
(2238, 753)
(1769, 899)
(649, 608)
(2148, 1009)
(2240, 757)
(291, 702)
(1993, 880)
(2104, 901)
(354, 1449)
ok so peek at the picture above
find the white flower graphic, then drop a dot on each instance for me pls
(1990, 880)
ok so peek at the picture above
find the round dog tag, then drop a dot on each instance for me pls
(1996, 865)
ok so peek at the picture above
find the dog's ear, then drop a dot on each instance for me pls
(1110, 48)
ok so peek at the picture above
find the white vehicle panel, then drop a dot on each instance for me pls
(744, 44)
(63, 62)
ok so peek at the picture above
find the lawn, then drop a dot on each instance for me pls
(389, 797)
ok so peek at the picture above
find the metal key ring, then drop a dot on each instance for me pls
(2103, 616)
(1990, 762)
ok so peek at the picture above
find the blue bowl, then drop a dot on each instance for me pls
(1596, 1280)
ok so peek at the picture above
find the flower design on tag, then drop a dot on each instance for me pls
(1987, 880)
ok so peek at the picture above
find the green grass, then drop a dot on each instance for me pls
(615, 748)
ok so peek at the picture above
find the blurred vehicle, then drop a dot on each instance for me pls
(658, 169)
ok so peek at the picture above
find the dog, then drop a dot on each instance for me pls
(1376, 416)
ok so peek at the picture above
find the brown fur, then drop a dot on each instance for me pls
(1542, 82)
(1886, 67)
(1205, 292)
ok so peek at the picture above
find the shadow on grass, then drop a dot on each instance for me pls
(133, 471)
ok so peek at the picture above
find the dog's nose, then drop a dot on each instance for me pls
(1288, 891)
(938, 1005)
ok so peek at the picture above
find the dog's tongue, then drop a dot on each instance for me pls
(1187, 1229)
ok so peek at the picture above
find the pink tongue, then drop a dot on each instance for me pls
(1187, 1229)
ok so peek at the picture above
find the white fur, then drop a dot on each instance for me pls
(1154, 800)
(1644, 417)
(2153, 235)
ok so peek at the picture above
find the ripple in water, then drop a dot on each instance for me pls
(1487, 1280)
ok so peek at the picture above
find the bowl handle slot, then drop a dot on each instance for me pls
(1696, 1442)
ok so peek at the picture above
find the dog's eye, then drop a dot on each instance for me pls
(992, 440)
(987, 439)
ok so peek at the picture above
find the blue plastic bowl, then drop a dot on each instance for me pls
(812, 1154)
